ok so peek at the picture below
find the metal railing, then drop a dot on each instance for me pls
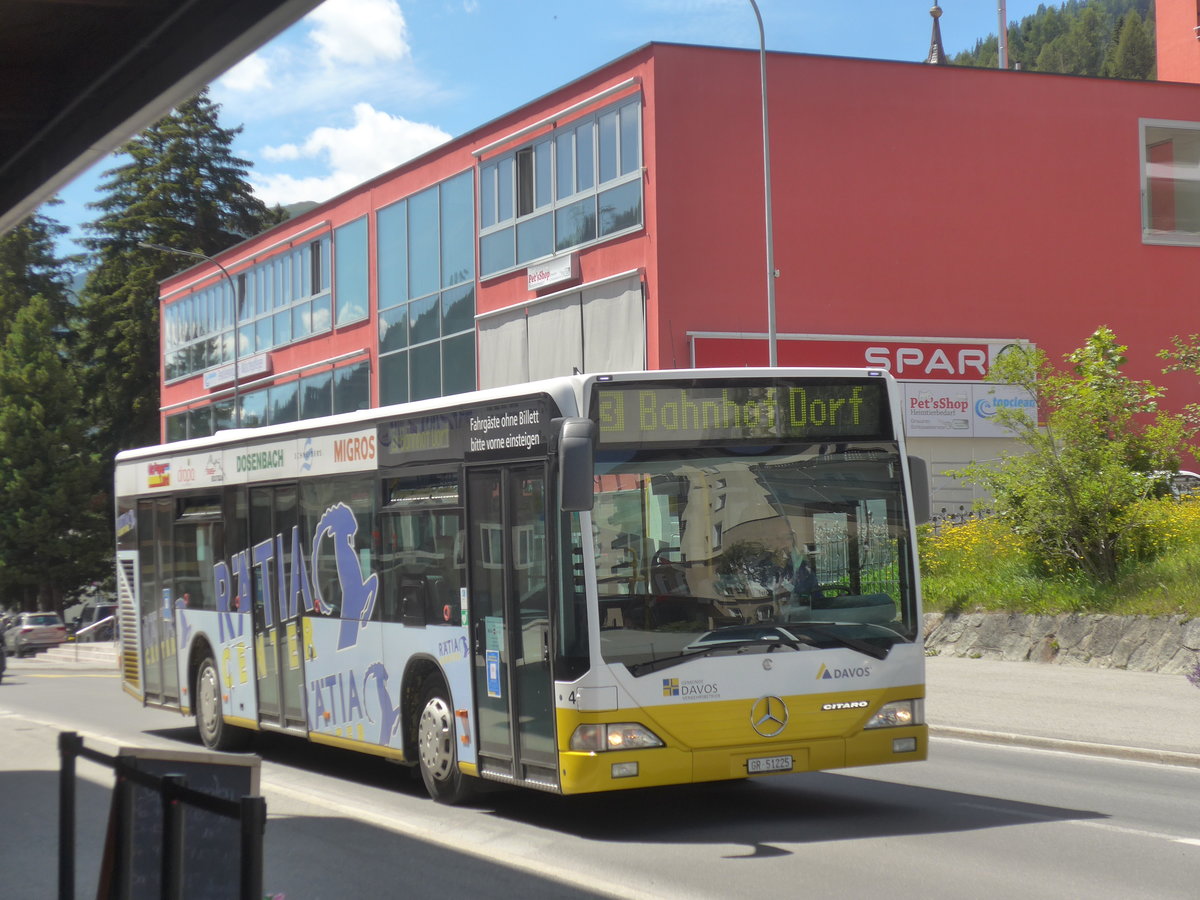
(107, 620)
(960, 516)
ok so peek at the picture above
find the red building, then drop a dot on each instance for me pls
(1177, 35)
(925, 217)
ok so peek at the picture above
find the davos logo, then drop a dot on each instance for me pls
(827, 673)
(673, 687)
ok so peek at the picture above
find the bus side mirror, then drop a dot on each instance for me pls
(576, 463)
(918, 479)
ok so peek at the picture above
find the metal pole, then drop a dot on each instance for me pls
(772, 274)
(170, 883)
(68, 748)
(237, 406)
(1003, 33)
(253, 824)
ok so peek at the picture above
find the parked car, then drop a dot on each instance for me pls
(33, 631)
(93, 614)
(1185, 485)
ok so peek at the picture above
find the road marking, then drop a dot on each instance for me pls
(69, 675)
(1137, 756)
(1086, 823)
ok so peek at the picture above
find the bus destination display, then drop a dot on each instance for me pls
(737, 412)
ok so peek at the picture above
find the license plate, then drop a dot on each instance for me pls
(769, 764)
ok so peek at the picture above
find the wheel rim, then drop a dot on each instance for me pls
(209, 704)
(435, 739)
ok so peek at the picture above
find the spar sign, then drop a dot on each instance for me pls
(907, 358)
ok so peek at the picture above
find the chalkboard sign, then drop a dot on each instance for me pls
(211, 843)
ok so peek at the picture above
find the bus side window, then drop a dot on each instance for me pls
(421, 578)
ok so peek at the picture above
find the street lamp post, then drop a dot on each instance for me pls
(237, 407)
(772, 274)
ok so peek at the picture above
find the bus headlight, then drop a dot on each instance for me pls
(613, 736)
(897, 714)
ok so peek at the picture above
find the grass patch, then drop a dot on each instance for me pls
(983, 565)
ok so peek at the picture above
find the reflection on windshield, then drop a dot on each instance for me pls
(691, 543)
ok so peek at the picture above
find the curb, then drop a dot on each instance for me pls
(1110, 751)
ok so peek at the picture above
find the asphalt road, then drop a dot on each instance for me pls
(976, 820)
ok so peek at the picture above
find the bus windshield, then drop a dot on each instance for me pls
(751, 548)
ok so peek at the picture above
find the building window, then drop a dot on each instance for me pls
(582, 184)
(344, 389)
(425, 253)
(273, 303)
(1170, 182)
(352, 387)
(177, 427)
(349, 270)
(316, 395)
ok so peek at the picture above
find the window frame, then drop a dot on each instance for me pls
(527, 203)
(201, 330)
(1175, 238)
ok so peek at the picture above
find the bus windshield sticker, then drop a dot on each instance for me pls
(493, 673)
(494, 629)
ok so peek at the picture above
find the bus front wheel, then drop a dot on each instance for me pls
(215, 732)
(437, 755)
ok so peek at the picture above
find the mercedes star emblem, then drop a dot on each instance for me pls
(769, 716)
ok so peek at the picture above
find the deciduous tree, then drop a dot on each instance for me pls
(1093, 455)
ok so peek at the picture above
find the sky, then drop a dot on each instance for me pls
(358, 87)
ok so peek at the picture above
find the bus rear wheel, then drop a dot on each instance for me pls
(215, 732)
(437, 755)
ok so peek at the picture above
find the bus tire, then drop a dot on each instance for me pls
(437, 754)
(215, 732)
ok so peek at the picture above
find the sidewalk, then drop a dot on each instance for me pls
(1107, 712)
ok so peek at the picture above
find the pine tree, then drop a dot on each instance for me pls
(1078, 38)
(29, 266)
(52, 534)
(1132, 53)
(181, 187)
(1080, 51)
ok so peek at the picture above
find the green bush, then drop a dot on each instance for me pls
(986, 565)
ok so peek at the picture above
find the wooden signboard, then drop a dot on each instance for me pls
(211, 842)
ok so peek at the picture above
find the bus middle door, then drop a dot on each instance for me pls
(277, 639)
(510, 624)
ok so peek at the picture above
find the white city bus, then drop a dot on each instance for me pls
(589, 583)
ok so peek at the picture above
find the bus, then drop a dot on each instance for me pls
(589, 583)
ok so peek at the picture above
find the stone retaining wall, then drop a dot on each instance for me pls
(1170, 645)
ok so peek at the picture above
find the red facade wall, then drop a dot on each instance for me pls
(1176, 37)
(909, 200)
(915, 200)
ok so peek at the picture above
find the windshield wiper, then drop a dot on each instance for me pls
(739, 644)
(821, 629)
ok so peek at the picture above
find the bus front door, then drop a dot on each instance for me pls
(510, 624)
(160, 652)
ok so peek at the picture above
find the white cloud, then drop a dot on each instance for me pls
(359, 32)
(375, 143)
(251, 74)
